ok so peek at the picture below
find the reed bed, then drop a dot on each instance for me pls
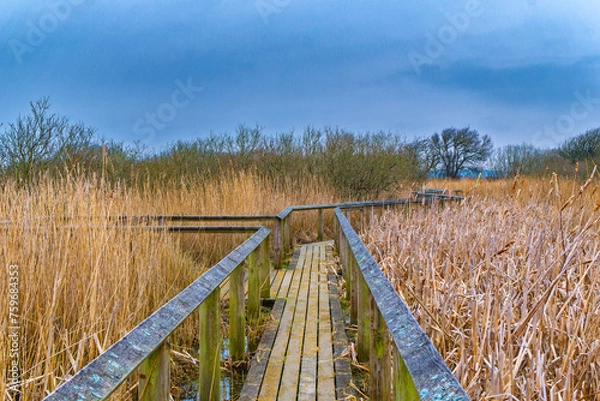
(85, 282)
(506, 284)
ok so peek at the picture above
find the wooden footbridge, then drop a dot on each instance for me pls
(303, 353)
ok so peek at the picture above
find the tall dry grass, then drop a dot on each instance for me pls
(506, 283)
(85, 283)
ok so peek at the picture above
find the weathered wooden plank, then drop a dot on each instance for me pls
(209, 349)
(347, 268)
(153, 376)
(270, 387)
(276, 282)
(285, 237)
(286, 282)
(380, 361)
(354, 287)
(203, 218)
(288, 238)
(290, 222)
(363, 336)
(294, 267)
(207, 229)
(253, 302)
(237, 315)
(321, 225)
(404, 387)
(291, 369)
(260, 360)
(285, 212)
(343, 370)
(326, 381)
(308, 367)
(277, 244)
(264, 270)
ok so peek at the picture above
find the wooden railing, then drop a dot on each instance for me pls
(418, 371)
(145, 347)
(387, 331)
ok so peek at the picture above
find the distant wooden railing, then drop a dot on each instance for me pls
(418, 372)
(145, 348)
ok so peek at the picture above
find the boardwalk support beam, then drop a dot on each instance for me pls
(320, 223)
(253, 289)
(153, 375)
(264, 270)
(237, 315)
(209, 351)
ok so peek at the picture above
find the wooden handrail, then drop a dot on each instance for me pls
(420, 372)
(101, 377)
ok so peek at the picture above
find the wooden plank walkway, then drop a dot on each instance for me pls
(296, 358)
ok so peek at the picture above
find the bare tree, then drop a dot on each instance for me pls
(40, 140)
(584, 147)
(524, 159)
(457, 149)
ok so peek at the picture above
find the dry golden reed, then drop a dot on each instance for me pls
(85, 282)
(506, 283)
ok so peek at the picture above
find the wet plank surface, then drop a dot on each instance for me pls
(295, 358)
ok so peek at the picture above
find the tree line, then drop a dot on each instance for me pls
(43, 144)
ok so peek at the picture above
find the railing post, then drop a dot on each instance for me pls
(209, 351)
(381, 369)
(253, 289)
(237, 315)
(363, 219)
(404, 388)
(353, 288)
(363, 337)
(277, 244)
(284, 237)
(347, 267)
(291, 233)
(153, 375)
(320, 235)
(288, 237)
(337, 234)
(264, 270)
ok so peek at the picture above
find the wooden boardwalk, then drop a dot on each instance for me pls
(300, 354)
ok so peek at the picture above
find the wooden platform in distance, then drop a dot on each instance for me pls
(296, 358)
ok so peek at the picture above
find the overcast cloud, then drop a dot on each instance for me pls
(518, 70)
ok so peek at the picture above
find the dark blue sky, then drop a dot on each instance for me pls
(518, 70)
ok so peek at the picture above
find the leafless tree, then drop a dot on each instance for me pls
(456, 149)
